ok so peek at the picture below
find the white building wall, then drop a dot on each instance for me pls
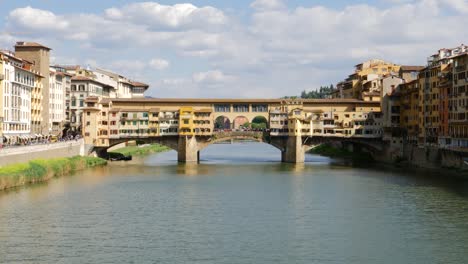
(17, 88)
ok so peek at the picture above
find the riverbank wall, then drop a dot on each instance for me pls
(434, 158)
(399, 154)
(9, 156)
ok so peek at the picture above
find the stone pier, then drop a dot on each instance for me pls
(294, 151)
(188, 150)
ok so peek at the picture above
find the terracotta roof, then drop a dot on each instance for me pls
(67, 67)
(411, 68)
(20, 44)
(92, 99)
(81, 78)
(139, 84)
(86, 79)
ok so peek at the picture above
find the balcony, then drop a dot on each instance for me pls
(460, 68)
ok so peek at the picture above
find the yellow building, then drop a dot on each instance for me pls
(353, 86)
(429, 102)
(409, 111)
(37, 107)
(458, 102)
(186, 121)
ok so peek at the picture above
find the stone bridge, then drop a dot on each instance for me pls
(189, 125)
(293, 148)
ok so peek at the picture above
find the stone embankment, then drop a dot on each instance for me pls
(434, 158)
(25, 154)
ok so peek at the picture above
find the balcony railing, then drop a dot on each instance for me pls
(460, 68)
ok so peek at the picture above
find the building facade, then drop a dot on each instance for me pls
(39, 56)
(19, 82)
(59, 83)
(458, 102)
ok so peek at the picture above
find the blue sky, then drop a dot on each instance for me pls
(243, 48)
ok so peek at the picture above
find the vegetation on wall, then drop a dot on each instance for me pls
(331, 151)
(141, 150)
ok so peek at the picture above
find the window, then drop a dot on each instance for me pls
(241, 108)
(81, 103)
(186, 121)
(88, 113)
(222, 108)
(259, 108)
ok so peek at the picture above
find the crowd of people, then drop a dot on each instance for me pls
(40, 140)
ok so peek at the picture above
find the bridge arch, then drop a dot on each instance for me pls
(260, 121)
(239, 121)
(222, 122)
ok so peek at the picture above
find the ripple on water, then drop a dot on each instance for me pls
(241, 205)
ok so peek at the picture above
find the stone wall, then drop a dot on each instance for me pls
(48, 151)
(431, 157)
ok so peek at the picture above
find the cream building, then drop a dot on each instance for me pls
(18, 84)
(59, 83)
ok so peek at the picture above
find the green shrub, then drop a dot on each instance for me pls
(42, 170)
(140, 151)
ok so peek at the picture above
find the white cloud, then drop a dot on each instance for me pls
(37, 19)
(458, 5)
(127, 67)
(159, 64)
(176, 16)
(263, 5)
(274, 49)
(211, 77)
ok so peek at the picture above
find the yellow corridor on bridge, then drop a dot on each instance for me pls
(189, 125)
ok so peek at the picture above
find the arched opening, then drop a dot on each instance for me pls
(259, 123)
(240, 150)
(240, 122)
(222, 123)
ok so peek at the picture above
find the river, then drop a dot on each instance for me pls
(240, 205)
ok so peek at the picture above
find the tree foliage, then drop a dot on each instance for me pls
(321, 93)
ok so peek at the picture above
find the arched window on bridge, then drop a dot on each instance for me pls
(222, 123)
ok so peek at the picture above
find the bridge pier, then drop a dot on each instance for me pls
(188, 150)
(294, 151)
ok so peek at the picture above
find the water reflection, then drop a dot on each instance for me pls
(239, 205)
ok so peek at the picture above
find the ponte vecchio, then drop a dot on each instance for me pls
(189, 125)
